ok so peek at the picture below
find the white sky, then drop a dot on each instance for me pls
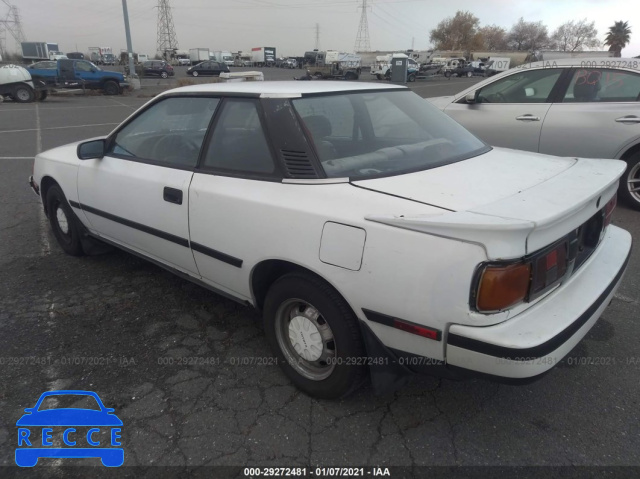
(289, 25)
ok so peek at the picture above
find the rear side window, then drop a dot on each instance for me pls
(239, 142)
(602, 85)
(170, 132)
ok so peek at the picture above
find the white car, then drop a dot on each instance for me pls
(376, 235)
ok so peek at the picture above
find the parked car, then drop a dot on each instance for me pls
(571, 107)
(184, 62)
(375, 234)
(76, 73)
(208, 68)
(157, 68)
(75, 55)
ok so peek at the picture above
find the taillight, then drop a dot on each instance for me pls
(502, 286)
(608, 210)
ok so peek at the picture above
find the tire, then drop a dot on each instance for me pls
(630, 181)
(111, 88)
(23, 94)
(63, 222)
(411, 78)
(351, 76)
(194, 73)
(447, 74)
(164, 75)
(469, 74)
(379, 77)
(300, 302)
(42, 95)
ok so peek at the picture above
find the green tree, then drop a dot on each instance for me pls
(459, 32)
(617, 37)
(575, 36)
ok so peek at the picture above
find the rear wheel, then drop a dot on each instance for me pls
(164, 75)
(23, 94)
(111, 88)
(194, 73)
(63, 222)
(469, 74)
(629, 189)
(351, 76)
(315, 336)
(411, 78)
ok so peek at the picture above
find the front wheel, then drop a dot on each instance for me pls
(411, 78)
(63, 222)
(111, 88)
(23, 94)
(315, 336)
(469, 74)
(195, 74)
(164, 75)
(629, 189)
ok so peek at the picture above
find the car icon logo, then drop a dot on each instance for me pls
(80, 432)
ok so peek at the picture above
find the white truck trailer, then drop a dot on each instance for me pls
(197, 55)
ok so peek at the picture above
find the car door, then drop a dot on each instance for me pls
(598, 117)
(85, 71)
(227, 196)
(137, 195)
(509, 111)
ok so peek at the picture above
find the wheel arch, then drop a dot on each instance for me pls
(45, 183)
(266, 272)
(629, 151)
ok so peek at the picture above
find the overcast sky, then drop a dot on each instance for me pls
(290, 25)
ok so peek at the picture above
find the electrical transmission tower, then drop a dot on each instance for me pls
(317, 36)
(362, 38)
(167, 40)
(12, 24)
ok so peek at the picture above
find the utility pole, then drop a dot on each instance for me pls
(317, 36)
(132, 71)
(362, 38)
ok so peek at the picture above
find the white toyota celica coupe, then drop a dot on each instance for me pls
(377, 236)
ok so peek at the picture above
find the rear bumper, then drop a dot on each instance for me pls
(534, 341)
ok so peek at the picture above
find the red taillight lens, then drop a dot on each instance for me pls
(608, 210)
(503, 286)
(549, 268)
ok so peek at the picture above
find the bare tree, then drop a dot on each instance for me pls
(493, 37)
(575, 36)
(528, 35)
(459, 32)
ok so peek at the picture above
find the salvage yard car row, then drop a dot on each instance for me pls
(359, 219)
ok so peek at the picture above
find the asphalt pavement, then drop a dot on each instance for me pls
(186, 372)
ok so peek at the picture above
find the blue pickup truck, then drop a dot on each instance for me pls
(79, 73)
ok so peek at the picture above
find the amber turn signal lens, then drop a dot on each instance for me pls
(503, 286)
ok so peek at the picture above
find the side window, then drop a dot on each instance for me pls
(83, 67)
(238, 142)
(170, 132)
(598, 85)
(527, 86)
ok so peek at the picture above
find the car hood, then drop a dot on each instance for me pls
(69, 417)
(441, 101)
(512, 202)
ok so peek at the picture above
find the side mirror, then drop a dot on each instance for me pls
(109, 410)
(471, 97)
(91, 149)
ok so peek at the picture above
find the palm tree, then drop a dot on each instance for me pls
(617, 37)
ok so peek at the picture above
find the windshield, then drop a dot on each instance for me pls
(365, 135)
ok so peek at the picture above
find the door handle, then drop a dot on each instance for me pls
(528, 118)
(628, 119)
(172, 195)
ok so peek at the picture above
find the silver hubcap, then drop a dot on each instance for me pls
(305, 339)
(22, 94)
(63, 223)
(633, 181)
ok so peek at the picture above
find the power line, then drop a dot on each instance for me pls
(362, 38)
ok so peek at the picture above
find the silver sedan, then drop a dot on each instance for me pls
(570, 107)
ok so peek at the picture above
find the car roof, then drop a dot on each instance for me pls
(598, 62)
(284, 89)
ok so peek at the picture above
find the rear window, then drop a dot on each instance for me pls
(365, 135)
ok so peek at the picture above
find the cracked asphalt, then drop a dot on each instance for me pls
(191, 376)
